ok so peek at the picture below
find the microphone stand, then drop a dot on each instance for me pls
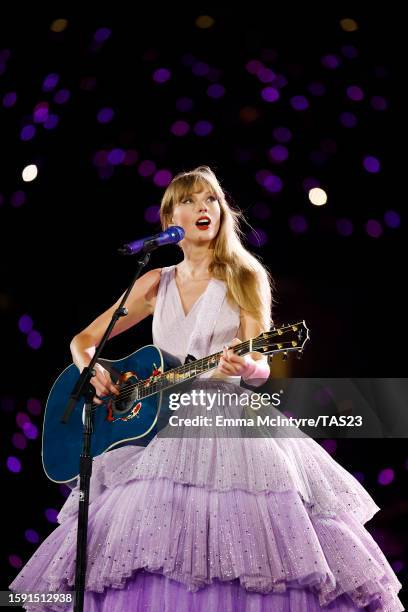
(83, 388)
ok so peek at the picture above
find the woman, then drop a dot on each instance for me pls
(217, 522)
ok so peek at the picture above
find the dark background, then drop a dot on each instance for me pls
(59, 261)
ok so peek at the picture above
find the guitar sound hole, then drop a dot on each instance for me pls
(126, 400)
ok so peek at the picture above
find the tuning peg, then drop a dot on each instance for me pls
(284, 355)
(299, 354)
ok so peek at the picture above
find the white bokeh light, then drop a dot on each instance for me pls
(317, 196)
(30, 173)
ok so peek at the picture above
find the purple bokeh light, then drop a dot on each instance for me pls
(17, 198)
(31, 536)
(379, 103)
(266, 75)
(116, 157)
(34, 339)
(25, 324)
(355, 93)
(254, 66)
(102, 34)
(51, 515)
(273, 183)
(161, 75)
(34, 406)
(371, 164)
(278, 153)
(299, 103)
(50, 82)
(30, 431)
(146, 167)
(386, 476)
(15, 561)
(162, 178)
(105, 115)
(180, 128)
(392, 219)
(298, 224)
(62, 96)
(348, 120)
(270, 94)
(22, 418)
(344, 227)
(51, 122)
(27, 132)
(373, 228)
(19, 441)
(203, 128)
(331, 61)
(216, 91)
(13, 464)
(152, 214)
(282, 134)
(41, 112)
(9, 99)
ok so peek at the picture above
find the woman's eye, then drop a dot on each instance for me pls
(213, 198)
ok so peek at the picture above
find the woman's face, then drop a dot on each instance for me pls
(192, 207)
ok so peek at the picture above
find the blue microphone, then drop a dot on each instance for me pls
(171, 235)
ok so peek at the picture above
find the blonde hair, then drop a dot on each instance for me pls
(249, 283)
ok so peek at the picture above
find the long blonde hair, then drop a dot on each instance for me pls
(249, 283)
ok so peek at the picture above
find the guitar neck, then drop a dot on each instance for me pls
(190, 370)
(284, 339)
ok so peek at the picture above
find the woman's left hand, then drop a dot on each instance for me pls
(230, 363)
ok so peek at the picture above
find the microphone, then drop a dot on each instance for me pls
(171, 235)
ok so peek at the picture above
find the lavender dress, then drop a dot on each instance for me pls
(217, 524)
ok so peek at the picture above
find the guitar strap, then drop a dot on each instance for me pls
(207, 316)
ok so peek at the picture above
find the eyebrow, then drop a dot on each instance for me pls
(197, 192)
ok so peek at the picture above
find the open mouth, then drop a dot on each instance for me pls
(203, 222)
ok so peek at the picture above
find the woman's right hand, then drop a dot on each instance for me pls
(102, 383)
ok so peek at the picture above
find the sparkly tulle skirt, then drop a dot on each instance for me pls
(219, 522)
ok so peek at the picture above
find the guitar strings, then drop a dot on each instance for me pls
(128, 391)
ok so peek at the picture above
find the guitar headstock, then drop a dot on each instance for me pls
(283, 340)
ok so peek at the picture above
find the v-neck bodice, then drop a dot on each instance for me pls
(176, 289)
(171, 328)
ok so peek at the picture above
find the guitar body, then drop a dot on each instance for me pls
(136, 422)
(142, 408)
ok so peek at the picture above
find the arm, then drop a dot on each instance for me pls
(253, 367)
(259, 371)
(139, 305)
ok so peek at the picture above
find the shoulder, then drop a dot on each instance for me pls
(152, 281)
